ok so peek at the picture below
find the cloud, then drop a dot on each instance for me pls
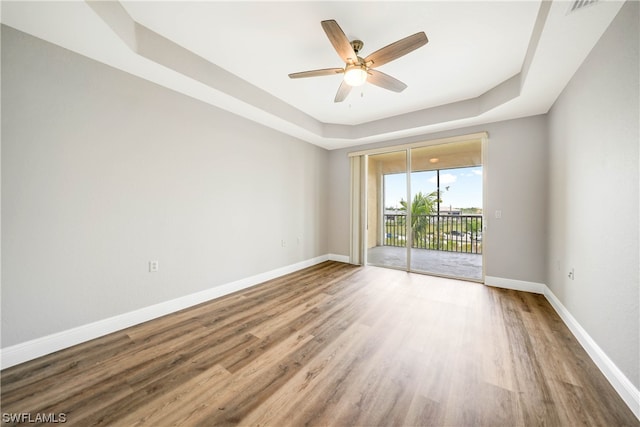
(445, 178)
(477, 171)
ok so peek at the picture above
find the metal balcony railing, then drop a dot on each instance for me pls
(453, 233)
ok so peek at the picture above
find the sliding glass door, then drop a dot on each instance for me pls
(386, 210)
(446, 184)
(424, 209)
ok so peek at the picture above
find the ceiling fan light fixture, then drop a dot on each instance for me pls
(355, 75)
(358, 71)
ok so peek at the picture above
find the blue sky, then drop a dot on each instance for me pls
(465, 187)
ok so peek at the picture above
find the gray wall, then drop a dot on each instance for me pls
(593, 194)
(103, 171)
(516, 184)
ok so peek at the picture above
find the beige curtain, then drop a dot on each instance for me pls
(356, 250)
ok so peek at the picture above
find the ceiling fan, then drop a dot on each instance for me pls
(357, 70)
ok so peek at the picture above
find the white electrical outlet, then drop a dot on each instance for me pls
(283, 243)
(498, 214)
(154, 266)
(572, 275)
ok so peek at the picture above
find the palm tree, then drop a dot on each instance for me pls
(421, 207)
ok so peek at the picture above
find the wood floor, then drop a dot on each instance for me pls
(334, 345)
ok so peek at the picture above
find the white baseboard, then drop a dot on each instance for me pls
(516, 285)
(38, 347)
(627, 391)
(339, 258)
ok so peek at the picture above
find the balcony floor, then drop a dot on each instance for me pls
(454, 264)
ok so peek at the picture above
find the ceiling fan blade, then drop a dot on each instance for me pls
(385, 81)
(317, 73)
(396, 50)
(339, 41)
(343, 91)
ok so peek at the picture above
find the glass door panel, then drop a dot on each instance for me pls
(386, 210)
(426, 237)
(446, 194)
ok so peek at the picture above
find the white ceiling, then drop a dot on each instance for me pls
(263, 42)
(485, 61)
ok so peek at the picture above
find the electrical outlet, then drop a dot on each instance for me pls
(498, 214)
(154, 266)
(572, 275)
(283, 243)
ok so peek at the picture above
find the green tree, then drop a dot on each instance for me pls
(422, 206)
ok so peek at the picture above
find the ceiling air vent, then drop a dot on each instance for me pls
(579, 4)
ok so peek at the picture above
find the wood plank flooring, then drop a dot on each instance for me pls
(334, 345)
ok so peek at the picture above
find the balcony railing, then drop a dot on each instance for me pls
(453, 233)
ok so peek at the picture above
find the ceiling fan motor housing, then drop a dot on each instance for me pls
(357, 45)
